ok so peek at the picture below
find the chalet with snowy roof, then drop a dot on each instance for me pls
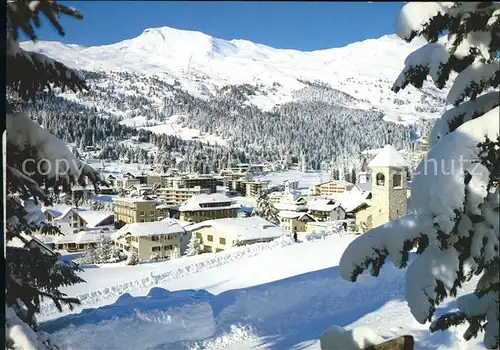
(221, 234)
(294, 222)
(321, 208)
(151, 238)
(208, 207)
(70, 219)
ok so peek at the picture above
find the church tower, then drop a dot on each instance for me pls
(389, 186)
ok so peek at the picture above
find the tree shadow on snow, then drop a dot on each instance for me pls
(283, 314)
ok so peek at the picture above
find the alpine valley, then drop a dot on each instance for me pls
(189, 99)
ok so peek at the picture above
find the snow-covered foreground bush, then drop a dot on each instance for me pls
(455, 193)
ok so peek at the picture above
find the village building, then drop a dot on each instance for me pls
(176, 195)
(190, 181)
(334, 187)
(131, 210)
(221, 234)
(75, 242)
(385, 198)
(208, 207)
(70, 219)
(126, 182)
(152, 238)
(293, 221)
(321, 208)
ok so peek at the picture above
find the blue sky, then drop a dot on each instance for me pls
(294, 25)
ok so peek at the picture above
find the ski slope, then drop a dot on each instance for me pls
(282, 297)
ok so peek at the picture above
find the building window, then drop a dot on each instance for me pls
(168, 247)
(152, 212)
(380, 179)
(141, 213)
(198, 235)
(210, 238)
(222, 240)
(396, 180)
(141, 220)
(156, 249)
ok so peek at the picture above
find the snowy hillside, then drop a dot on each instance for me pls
(201, 63)
(267, 296)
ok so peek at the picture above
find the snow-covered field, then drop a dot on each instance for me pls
(269, 296)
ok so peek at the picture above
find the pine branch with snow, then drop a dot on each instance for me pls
(30, 72)
(455, 191)
(37, 162)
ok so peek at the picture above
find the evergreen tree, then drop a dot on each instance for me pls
(193, 247)
(31, 274)
(455, 225)
(132, 259)
(104, 251)
(265, 209)
(176, 253)
(354, 179)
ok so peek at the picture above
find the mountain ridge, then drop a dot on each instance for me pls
(202, 64)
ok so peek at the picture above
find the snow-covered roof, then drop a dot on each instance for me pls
(365, 186)
(55, 213)
(352, 200)
(292, 214)
(388, 157)
(143, 229)
(337, 182)
(244, 229)
(81, 237)
(290, 206)
(67, 211)
(132, 199)
(196, 202)
(94, 218)
(321, 204)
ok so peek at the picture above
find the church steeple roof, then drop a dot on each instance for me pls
(388, 157)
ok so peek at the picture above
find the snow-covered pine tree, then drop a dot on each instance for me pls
(193, 247)
(265, 208)
(31, 274)
(132, 259)
(176, 253)
(455, 191)
(104, 251)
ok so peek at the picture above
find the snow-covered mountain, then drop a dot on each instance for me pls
(203, 64)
